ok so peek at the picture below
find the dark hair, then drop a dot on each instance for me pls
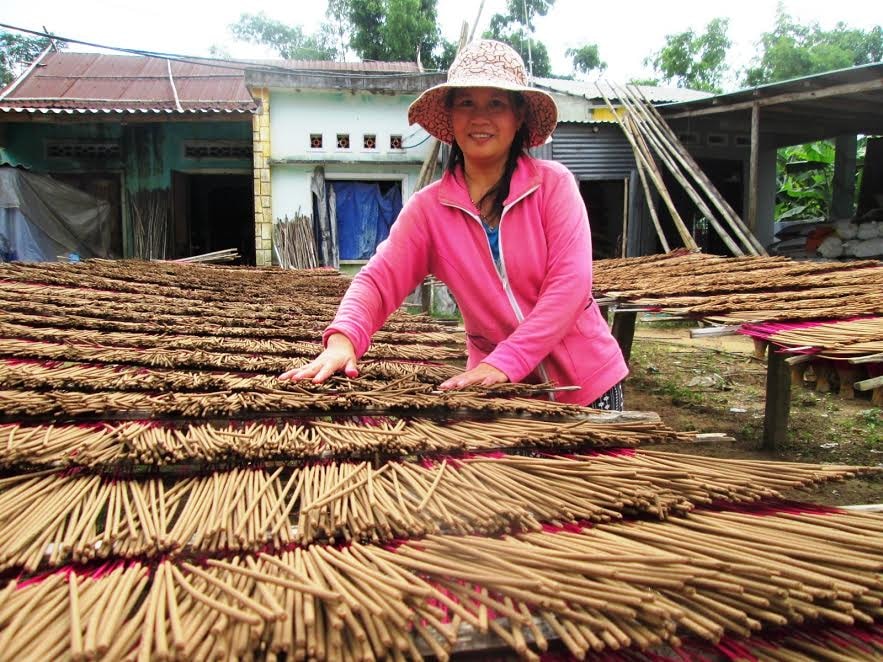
(499, 191)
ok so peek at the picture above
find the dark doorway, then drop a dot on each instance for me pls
(726, 175)
(212, 213)
(605, 200)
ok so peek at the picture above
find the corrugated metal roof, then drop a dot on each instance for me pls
(354, 67)
(593, 90)
(96, 83)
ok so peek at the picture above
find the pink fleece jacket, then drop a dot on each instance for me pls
(535, 319)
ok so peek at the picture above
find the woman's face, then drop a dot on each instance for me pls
(484, 121)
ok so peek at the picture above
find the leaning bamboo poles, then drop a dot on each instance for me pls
(648, 123)
(602, 589)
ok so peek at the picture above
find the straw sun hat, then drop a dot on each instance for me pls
(485, 63)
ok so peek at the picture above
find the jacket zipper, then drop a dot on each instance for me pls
(501, 273)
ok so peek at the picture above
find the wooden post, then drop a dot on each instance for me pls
(624, 331)
(778, 401)
(843, 193)
(753, 176)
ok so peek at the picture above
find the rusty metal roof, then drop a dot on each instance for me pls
(63, 82)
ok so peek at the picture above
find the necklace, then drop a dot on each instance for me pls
(486, 220)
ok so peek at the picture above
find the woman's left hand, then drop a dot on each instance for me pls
(482, 374)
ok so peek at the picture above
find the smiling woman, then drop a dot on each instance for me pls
(507, 233)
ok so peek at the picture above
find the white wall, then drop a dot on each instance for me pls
(294, 115)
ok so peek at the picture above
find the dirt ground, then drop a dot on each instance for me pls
(716, 384)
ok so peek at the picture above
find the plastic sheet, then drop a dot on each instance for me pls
(41, 219)
(364, 216)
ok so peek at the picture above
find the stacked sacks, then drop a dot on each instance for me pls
(861, 238)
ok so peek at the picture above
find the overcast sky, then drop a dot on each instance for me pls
(626, 32)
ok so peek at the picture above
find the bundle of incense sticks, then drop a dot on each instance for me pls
(150, 442)
(609, 588)
(744, 289)
(842, 339)
(81, 516)
(209, 512)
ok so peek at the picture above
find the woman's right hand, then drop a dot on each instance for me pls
(339, 355)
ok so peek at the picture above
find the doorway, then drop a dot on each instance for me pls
(605, 202)
(213, 213)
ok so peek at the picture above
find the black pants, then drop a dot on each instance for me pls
(610, 401)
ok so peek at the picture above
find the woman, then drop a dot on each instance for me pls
(508, 235)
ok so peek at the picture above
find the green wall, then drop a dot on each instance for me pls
(149, 152)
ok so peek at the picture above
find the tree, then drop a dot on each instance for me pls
(16, 52)
(515, 28)
(792, 50)
(696, 61)
(396, 30)
(289, 41)
(586, 59)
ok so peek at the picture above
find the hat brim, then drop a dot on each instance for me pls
(429, 110)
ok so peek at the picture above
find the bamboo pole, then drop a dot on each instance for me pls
(745, 235)
(646, 160)
(638, 114)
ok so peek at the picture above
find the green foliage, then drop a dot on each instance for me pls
(792, 50)
(872, 422)
(804, 176)
(17, 51)
(586, 59)
(515, 28)
(397, 30)
(289, 41)
(695, 61)
(382, 30)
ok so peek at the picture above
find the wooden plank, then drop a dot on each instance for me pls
(869, 384)
(778, 401)
(624, 332)
(711, 331)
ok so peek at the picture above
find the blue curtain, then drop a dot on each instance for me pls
(364, 216)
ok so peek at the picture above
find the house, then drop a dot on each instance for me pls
(335, 144)
(167, 143)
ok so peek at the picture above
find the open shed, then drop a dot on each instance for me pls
(752, 124)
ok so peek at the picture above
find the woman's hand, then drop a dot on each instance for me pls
(483, 374)
(339, 355)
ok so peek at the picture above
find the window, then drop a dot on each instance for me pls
(218, 149)
(82, 149)
(369, 141)
(395, 142)
(343, 141)
(315, 141)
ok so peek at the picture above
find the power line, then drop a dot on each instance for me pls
(241, 65)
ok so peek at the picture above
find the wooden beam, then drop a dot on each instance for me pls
(788, 97)
(778, 401)
(754, 165)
